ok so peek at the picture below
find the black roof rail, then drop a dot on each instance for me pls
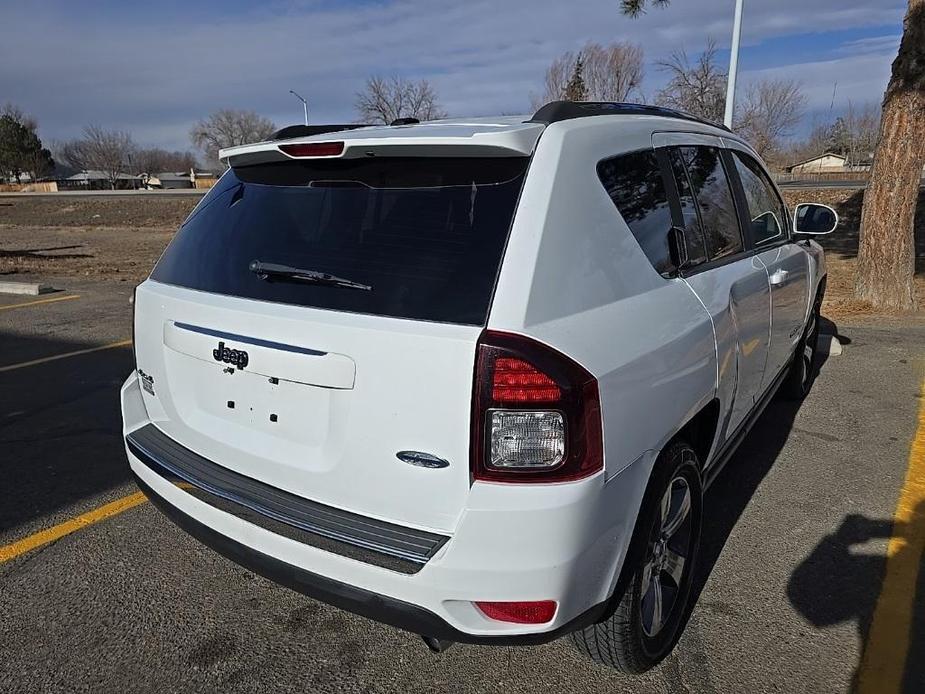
(307, 130)
(556, 111)
(405, 121)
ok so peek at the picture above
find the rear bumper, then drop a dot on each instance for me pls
(513, 542)
(380, 608)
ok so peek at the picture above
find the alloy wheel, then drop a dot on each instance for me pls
(667, 556)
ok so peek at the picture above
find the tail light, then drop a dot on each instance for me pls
(537, 612)
(536, 414)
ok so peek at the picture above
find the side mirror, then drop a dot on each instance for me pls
(814, 219)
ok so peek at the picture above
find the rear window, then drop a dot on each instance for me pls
(426, 234)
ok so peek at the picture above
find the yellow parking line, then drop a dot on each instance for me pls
(41, 301)
(884, 661)
(43, 537)
(77, 353)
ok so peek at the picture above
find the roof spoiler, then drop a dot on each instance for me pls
(292, 131)
(556, 111)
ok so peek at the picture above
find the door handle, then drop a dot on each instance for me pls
(779, 277)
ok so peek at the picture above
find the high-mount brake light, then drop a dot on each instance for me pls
(313, 149)
(536, 414)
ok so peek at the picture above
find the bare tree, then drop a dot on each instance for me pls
(769, 112)
(386, 99)
(886, 254)
(157, 160)
(69, 153)
(107, 151)
(855, 133)
(228, 128)
(611, 73)
(817, 141)
(698, 87)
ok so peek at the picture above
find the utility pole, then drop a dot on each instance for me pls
(304, 105)
(733, 65)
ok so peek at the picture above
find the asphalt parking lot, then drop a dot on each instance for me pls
(795, 590)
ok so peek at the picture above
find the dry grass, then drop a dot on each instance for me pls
(111, 238)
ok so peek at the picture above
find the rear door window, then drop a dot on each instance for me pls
(715, 203)
(634, 182)
(426, 234)
(690, 218)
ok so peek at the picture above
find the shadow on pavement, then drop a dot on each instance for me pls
(732, 491)
(60, 427)
(840, 581)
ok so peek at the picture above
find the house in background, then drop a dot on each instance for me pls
(97, 180)
(167, 181)
(827, 162)
(176, 180)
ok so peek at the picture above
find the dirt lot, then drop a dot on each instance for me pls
(116, 238)
(120, 238)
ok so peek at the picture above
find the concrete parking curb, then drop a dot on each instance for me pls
(30, 288)
(829, 345)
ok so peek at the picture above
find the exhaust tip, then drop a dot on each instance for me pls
(437, 645)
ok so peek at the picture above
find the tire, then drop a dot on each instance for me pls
(630, 639)
(802, 371)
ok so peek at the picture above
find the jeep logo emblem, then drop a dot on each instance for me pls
(238, 357)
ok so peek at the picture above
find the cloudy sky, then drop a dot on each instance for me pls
(154, 68)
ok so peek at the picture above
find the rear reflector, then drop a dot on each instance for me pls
(313, 149)
(538, 612)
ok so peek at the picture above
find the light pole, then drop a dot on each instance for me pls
(304, 105)
(733, 65)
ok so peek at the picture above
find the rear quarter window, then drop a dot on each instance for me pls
(635, 185)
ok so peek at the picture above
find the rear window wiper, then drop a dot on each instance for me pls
(269, 271)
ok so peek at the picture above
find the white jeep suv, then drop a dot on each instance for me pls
(470, 378)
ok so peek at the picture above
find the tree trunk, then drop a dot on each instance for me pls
(886, 254)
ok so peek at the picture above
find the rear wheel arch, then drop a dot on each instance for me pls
(820, 287)
(700, 431)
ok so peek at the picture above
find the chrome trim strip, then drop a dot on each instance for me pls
(256, 341)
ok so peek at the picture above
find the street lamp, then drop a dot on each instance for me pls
(304, 105)
(733, 65)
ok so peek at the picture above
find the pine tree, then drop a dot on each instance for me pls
(576, 90)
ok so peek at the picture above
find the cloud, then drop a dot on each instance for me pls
(155, 68)
(872, 44)
(860, 79)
